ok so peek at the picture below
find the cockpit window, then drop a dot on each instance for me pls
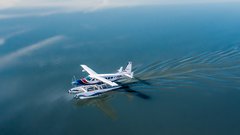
(88, 78)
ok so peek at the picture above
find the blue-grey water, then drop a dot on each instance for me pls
(186, 61)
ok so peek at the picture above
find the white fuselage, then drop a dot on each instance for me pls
(110, 77)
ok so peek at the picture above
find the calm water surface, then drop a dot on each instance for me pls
(186, 63)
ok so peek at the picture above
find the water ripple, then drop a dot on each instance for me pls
(220, 68)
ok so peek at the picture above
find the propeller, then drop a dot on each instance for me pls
(73, 80)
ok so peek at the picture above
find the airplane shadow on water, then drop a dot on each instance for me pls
(218, 68)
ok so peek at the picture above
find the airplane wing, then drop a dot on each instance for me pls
(89, 70)
(104, 80)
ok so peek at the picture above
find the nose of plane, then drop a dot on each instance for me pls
(76, 82)
(73, 82)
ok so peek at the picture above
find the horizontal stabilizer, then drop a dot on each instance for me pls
(129, 75)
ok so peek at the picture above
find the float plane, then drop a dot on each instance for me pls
(95, 84)
(110, 79)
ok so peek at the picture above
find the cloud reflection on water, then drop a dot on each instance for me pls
(7, 59)
(68, 6)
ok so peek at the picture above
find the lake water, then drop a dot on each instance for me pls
(185, 58)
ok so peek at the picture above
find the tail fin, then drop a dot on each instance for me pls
(128, 70)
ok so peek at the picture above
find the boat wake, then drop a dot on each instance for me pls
(215, 68)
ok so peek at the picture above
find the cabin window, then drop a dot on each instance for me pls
(90, 89)
(88, 78)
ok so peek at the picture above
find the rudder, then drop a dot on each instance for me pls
(128, 69)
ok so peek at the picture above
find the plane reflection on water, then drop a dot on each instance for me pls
(102, 102)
